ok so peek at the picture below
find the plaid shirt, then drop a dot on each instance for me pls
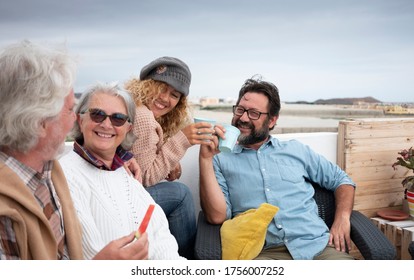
(120, 157)
(32, 179)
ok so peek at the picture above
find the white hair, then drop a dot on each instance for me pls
(34, 81)
(111, 89)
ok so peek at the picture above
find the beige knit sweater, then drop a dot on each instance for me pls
(155, 157)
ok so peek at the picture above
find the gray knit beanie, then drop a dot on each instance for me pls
(169, 70)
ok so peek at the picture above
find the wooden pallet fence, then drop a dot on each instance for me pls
(367, 148)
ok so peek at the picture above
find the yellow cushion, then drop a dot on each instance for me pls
(243, 237)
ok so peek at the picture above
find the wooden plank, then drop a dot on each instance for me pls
(365, 145)
(380, 223)
(340, 154)
(378, 187)
(377, 128)
(407, 238)
(376, 173)
(377, 201)
(369, 159)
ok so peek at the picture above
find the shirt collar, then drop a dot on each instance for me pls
(120, 157)
(28, 175)
(270, 141)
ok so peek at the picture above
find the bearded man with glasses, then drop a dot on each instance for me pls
(262, 169)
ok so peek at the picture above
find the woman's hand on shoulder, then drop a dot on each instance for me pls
(133, 168)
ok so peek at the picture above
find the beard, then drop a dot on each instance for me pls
(55, 150)
(61, 150)
(256, 135)
(56, 146)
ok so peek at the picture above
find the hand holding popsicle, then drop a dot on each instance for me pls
(125, 249)
(144, 224)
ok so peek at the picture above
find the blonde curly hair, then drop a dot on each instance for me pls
(145, 92)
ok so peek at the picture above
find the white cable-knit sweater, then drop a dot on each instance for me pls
(112, 204)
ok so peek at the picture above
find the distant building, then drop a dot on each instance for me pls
(206, 101)
(398, 110)
(213, 101)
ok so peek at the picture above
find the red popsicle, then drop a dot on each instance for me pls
(144, 224)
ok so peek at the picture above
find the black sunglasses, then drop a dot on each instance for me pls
(98, 116)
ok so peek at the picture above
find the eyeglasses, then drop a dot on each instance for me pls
(251, 113)
(98, 116)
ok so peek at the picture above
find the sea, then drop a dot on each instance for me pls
(301, 118)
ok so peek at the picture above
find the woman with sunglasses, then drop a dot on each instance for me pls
(110, 202)
(164, 132)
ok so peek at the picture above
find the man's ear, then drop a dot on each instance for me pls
(273, 121)
(43, 129)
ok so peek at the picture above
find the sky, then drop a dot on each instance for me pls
(310, 49)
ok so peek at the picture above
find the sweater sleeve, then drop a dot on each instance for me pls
(155, 157)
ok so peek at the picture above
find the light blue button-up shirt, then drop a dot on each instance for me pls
(277, 173)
